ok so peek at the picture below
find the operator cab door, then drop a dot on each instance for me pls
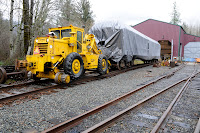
(79, 41)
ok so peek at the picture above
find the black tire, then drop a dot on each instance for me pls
(102, 69)
(68, 68)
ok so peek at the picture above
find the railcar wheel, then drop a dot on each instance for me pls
(102, 65)
(73, 65)
(121, 64)
(65, 78)
(36, 78)
(57, 78)
(25, 74)
(132, 62)
(3, 75)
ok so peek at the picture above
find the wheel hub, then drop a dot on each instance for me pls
(76, 66)
(103, 63)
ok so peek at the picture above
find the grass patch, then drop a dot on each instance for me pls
(1, 63)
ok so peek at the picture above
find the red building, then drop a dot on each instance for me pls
(164, 33)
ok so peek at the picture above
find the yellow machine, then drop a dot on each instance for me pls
(65, 54)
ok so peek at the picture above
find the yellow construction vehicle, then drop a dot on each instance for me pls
(65, 54)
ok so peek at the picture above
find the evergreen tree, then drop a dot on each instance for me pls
(175, 16)
(68, 13)
(85, 14)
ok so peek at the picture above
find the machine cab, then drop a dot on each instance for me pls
(71, 33)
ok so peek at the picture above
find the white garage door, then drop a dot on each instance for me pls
(192, 50)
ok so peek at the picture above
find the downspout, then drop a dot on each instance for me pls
(179, 43)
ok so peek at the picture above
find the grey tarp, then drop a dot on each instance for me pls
(119, 41)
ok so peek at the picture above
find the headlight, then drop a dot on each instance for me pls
(47, 40)
(36, 40)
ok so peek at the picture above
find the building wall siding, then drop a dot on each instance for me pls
(158, 30)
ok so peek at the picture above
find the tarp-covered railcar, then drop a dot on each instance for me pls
(117, 41)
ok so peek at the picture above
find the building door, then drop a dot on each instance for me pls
(165, 49)
(192, 50)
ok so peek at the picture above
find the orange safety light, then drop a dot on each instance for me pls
(37, 50)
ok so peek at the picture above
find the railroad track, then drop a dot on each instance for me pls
(79, 123)
(109, 121)
(51, 88)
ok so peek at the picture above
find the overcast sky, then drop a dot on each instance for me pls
(132, 12)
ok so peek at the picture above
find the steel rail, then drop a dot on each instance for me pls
(4, 87)
(76, 82)
(104, 124)
(197, 129)
(166, 113)
(16, 96)
(78, 119)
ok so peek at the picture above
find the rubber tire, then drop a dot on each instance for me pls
(100, 69)
(67, 65)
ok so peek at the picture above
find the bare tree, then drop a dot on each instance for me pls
(185, 26)
(4, 38)
(11, 29)
(193, 29)
(26, 25)
(41, 15)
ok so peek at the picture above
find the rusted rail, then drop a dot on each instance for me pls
(166, 113)
(80, 81)
(78, 119)
(197, 129)
(17, 96)
(109, 121)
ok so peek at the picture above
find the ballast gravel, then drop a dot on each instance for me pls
(36, 114)
(133, 99)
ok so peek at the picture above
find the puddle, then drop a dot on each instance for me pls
(184, 125)
(148, 116)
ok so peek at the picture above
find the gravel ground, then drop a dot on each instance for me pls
(186, 113)
(19, 90)
(140, 95)
(72, 101)
(145, 119)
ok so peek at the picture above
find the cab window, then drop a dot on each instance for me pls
(79, 37)
(66, 33)
(79, 41)
(57, 32)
